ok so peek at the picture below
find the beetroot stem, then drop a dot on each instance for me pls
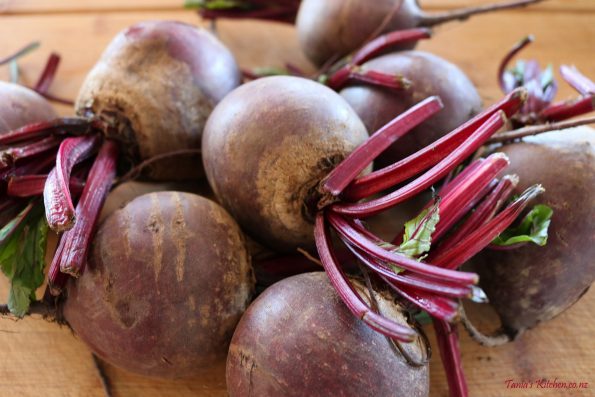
(524, 42)
(539, 129)
(369, 51)
(469, 191)
(17, 221)
(347, 293)
(453, 257)
(56, 279)
(22, 52)
(438, 307)
(464, 13)
(410, 280)
(36, 130)
(364, 154)
(567, 109)
(484, 212)
(358, 240)
(59, 209)
(385, 41)
(370, 77)
(440, 170)
(11, 155)
(33, 185)
(47, 76)
(404, 169)
(448, 343)
(577, 80)
(78, 239)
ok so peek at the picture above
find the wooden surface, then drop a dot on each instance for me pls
(40, 358)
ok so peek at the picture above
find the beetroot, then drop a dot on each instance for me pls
(154, 87)
(321, 349)
(156, 298)
(267, 146)
(331, 29)
(146, 101)
(21, 106)
(430, 75)
(530, 284)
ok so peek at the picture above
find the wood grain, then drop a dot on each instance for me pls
(43, 358)
(81, 6)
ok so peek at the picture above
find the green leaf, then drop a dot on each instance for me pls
(22, 256)
(216, 4)
(18, 299)
(533, 228)
(417, 238)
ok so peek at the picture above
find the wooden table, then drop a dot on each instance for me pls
(40, 358)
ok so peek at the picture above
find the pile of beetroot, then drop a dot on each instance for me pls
(303, 170)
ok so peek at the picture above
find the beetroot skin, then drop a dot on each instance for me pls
(331, 29)
(299, 339)
(22, 106)
(266, 148)
(167, 280)
(532, 284)
(430, 75)
(154, 86)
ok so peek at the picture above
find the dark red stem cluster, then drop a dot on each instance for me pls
(471, 207)
(60, 160)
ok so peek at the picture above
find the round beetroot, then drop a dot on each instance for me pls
(167, 280)
(21, 106)
(154, 86)
(532, 284)
(430, 75)
(299, 339)
(267, 146)
(334, 28)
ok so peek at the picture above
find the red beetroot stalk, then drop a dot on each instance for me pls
(374, 48)
(377, 46)
(567, 109)
(448, 343)
(59, 209)
(458, 202)
(431, 176)
(484, 212)
(45, 128)
(511, 54)
(11, 155)
(364, 154)
(449, 185)
(36, 165)
(99, 181)
(294, 70)
(410, 280)
(359, 241)
(453, 257)
(33, 185)
(47, 77)
(437, 306)
(370, 77)
(56, 279)
(350, 297)
(17, 221)
(577, 80)
(404, 169)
